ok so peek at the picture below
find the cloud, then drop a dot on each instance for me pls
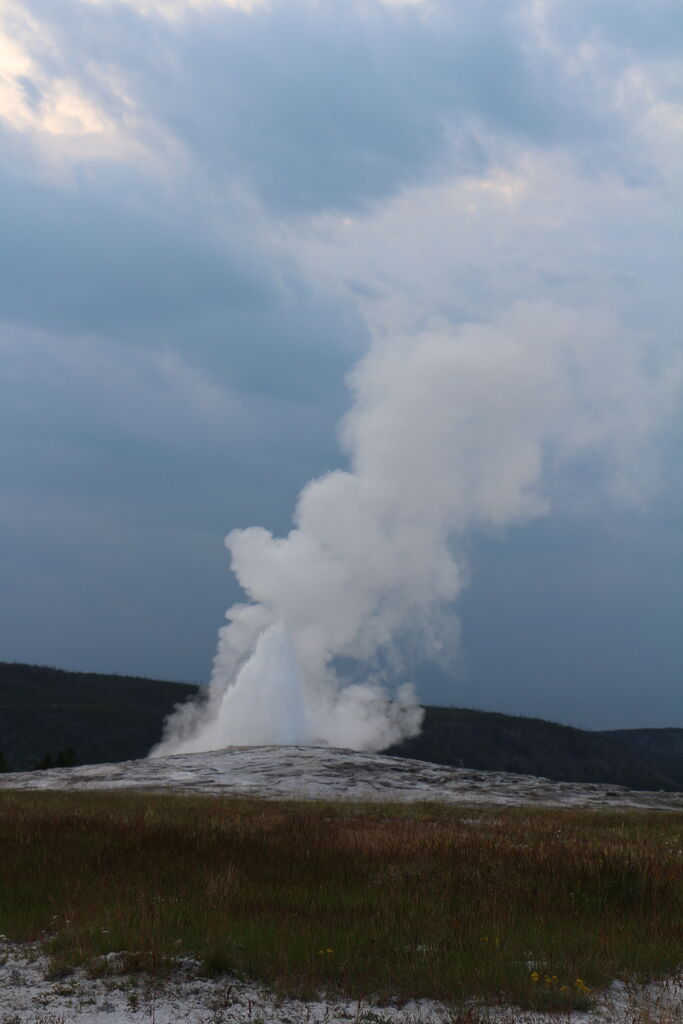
(635, 28)
(536, 228)
(110, 249)
(110, 254)
(301, 102)
(142, 393)
(175, 10)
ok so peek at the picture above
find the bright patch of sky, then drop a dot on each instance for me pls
(210, 207)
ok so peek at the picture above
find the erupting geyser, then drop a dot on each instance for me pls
(450, 430)
(267, 699)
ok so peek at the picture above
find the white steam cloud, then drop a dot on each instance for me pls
(451, 429)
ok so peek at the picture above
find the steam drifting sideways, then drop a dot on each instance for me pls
(452, 429)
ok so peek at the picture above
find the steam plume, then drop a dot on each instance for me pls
(451, 429)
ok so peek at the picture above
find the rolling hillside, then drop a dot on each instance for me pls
(637, 758)
(45, 711)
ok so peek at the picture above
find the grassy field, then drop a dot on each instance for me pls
(535, 907)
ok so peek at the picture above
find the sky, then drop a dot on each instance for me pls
(213, 209)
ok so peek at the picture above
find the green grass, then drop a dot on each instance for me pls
(385, 901)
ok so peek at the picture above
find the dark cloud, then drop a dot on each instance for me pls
(108, 251)
(114, 256)
(329, 106)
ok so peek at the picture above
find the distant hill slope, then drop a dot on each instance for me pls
(663, 747)
(101, 717)
(116, 718)
(637, 758)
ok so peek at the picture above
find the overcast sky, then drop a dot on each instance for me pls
(210, 208)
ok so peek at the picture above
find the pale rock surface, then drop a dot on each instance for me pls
(293, 772)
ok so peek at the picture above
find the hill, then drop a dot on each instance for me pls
(637, 758)
(45, 712)
(663, 747)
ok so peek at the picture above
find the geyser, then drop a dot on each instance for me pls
(267, 699)
(451, 429)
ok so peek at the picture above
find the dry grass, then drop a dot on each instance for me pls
(537, 908)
